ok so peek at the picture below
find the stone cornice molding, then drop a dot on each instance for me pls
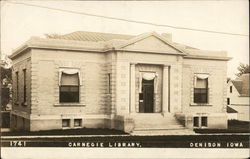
(208, 57)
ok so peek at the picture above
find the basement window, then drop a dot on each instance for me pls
(203, 121)
(77, 122)
(196, 122)
(65, 123)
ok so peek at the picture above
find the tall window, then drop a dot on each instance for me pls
(231, 89)
(109, 83)
(228, 101)
(69, 88)
(201, 91)
(24, 87)
(17, 87)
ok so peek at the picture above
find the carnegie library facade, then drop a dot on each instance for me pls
(124, 82)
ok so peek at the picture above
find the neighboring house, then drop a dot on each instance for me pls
(231, 114)
(125, 82)
(238, 96)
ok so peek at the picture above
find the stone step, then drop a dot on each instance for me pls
(153, 124)
(154, 117)
(171, 127)
(184, 131)
(156, 121)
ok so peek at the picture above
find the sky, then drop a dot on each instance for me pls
(19, 22)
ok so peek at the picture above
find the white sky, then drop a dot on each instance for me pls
(20, 22)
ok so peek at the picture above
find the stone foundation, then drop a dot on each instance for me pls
(214, 121)
(124, 123)
(118, 122)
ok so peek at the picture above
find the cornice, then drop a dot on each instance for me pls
(208, 57)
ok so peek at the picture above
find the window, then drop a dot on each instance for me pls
(77, 122)
(24, 87)
(66, 123)
(204, 121)
(196, 122)
(17, 87)
(109, 83)
(231, 89)
(69, 88)
(228, 101)
(201, 91)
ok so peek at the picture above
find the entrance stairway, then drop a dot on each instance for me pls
(158, 124)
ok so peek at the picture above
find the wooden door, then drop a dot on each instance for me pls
(147, 97)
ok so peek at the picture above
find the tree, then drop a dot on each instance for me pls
(5, 83)
(243, 68)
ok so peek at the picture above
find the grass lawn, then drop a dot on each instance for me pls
(157, 141)
(83, 131)
(234, 126)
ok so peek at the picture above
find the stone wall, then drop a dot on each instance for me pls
(216, 85)
(45, 84)
(46, 65)
(214, 120)
(20, 113)
(215, 109)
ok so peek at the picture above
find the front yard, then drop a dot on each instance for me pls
(83, 131)
(66, 138)
(234, 126)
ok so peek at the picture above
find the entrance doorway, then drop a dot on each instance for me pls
(146, 98)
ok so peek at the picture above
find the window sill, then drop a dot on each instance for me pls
(77, 127)
(69, 105)
(202, 127)
(201, 104)
(65, 128)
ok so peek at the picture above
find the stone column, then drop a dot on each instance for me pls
(132, 87)
(165, 90)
